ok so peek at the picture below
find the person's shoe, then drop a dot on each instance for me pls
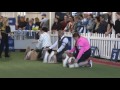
(7, 56)
(90, 63)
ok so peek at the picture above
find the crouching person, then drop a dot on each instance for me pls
(43, 42)
(62, 43)
(82, 54)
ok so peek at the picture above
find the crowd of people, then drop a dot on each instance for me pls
(28, 24)
(87, 23)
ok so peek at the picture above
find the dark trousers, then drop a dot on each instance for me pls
(4, 43)
(84, 57)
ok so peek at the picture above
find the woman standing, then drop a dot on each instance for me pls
(4, 32)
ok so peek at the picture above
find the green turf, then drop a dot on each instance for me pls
(16, 67)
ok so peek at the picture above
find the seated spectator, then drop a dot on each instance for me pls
(104, 24)
(70, 25)
(22, 23)
(27, 21)
(77, 24)
(64, 22)
(56, 25)
(29, 26)
(91, 23)
(117, 23)
(97, 24)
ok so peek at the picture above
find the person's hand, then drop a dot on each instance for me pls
(75, 61)
(106, 34)
(46, 49)
(67, 51)
(55, 52)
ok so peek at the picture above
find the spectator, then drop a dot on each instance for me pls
(27, 21)
(56, 26)
(64, 22)
(97, 24)
(77, 24)
(91, 23)
(104, 24)
(44, 21)
(22, 23)
(29, 25)
(37, 22)
(109, 26)
(117, 23)
(5, 31)
(70, 25)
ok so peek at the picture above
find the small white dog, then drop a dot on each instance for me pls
(69, 62)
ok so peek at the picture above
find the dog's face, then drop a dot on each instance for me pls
(71, 60)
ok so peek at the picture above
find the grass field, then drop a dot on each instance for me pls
(16, 67)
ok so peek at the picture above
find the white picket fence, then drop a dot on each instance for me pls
(103, 43)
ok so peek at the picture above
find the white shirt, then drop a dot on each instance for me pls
(65, 41)
(44, 40)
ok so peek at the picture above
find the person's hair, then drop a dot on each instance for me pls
(72, 17)
(118, 13)
(77, 17)
(36, 19)
(76, 34)
(102, 16)
(91, 15)
(44, 29)
(98, 18)
(81, 15)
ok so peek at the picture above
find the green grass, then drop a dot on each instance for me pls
(16, 67)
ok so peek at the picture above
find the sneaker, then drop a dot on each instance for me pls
(90, 63)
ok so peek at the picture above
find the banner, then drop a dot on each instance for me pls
(12, 21)
(115, 54)
(11, 44)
